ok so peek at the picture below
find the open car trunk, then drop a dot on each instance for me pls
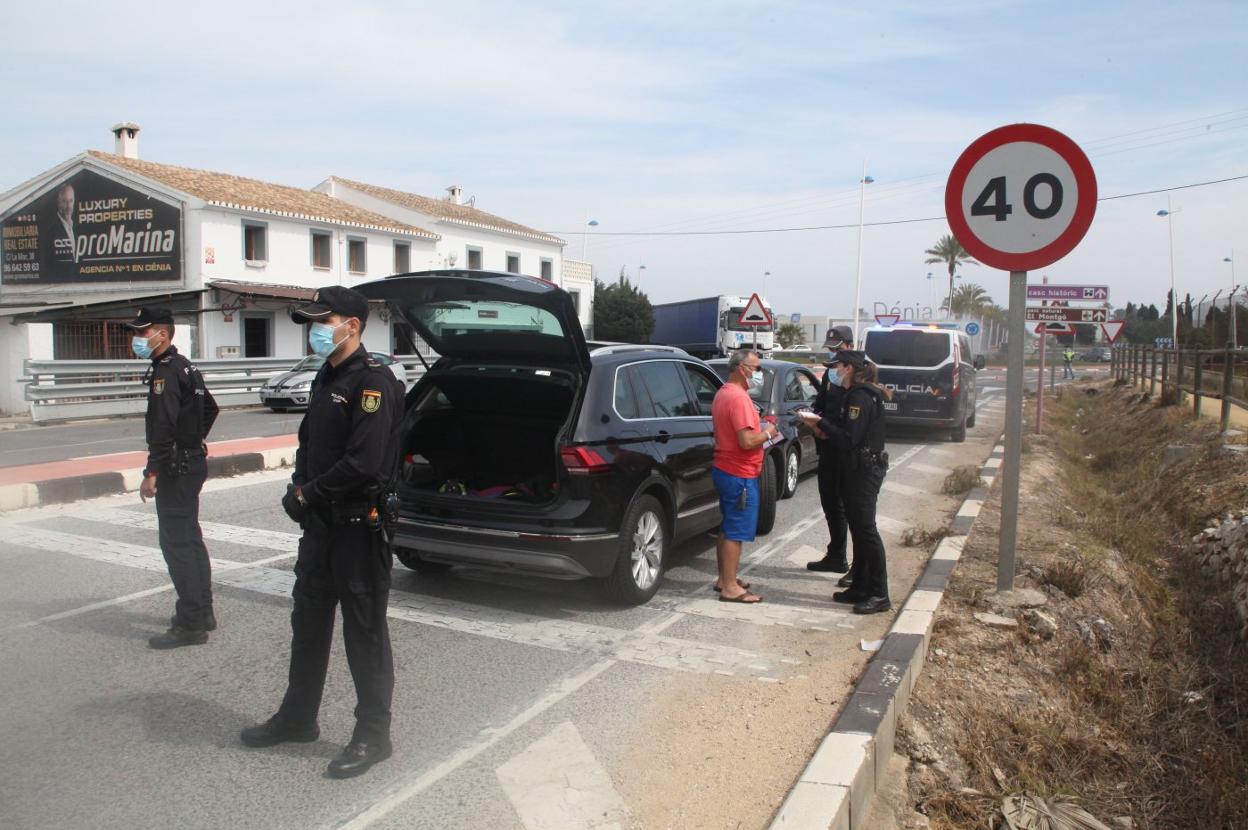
(488, 434)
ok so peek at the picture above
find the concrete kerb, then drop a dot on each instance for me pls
(837, 787)
(77, 488)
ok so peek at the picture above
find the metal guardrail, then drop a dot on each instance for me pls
(1218, 374)
(60, 390)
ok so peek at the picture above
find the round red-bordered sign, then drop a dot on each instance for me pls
(1009, 197)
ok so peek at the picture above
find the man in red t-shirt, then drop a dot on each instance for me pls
(738, 461)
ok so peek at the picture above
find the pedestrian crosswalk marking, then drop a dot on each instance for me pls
(929, 468)
(556, 783)
(904, 489)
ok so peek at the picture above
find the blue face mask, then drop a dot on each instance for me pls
(321, 338)
(142, 347)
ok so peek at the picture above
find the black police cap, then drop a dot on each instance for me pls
(150, 316)
(851, 358)
(839, 334)
(333, 299)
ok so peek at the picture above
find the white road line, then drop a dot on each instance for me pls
(929, 468)
(904, 489)
(556, 783)
(764, 613)
(942, 451)
(214, 531)
(889, 525)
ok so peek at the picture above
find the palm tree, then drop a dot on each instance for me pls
(968, 300)
(949, 252)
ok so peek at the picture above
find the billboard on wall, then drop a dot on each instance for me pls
(90, 228)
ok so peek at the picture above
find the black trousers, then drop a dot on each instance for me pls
(341, 564)
(860, 492)
(182, 541)
(830, 498)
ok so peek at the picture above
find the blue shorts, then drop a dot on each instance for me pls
(739, 523)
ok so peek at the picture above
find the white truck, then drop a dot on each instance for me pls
(710, 327)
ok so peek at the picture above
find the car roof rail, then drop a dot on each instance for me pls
(625, 348)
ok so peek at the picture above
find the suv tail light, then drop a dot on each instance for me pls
(583, 461)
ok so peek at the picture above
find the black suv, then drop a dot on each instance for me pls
(931, 373)
(525, 451)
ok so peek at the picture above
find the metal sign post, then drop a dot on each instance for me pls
(1020, 197)
(1013, 430)
(1044, 339)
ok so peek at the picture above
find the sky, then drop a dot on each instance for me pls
(678, 117)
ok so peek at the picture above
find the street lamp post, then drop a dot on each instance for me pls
(589, 223)
(1168, 213)
(862, 187)
(1231, 307)
(931, 293)
(766, 274)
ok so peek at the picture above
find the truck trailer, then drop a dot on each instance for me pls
(709, 327)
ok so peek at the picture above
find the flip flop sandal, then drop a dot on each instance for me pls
(745, 599)
(744, 586)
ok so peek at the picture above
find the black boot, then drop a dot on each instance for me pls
(845, 581)
(829, 564)
(177, 636)
(850, 596)
(210, 621)
(273, 732)
(358, 757)
(873, 605)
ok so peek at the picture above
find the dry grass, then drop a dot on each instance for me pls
(1155, 727)
(922, 537)
(962, 480)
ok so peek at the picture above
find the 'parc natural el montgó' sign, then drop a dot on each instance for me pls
(90, 228)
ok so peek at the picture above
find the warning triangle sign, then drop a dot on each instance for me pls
(1112, 328)
(755, 313)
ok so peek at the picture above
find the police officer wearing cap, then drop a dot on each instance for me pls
(830, 399)
(180, 413)
(858, 436)
(344, 466)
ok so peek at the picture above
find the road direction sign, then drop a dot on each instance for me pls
(887, 319)
(972, 328)
(1054, 328)
(1112, 328)
(1067, 292)
(795, 317)
(1020, 197)
(1068, 315)
(755, 313)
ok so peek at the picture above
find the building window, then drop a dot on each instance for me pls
(402, 257)
(576, 300)
(322, 249)
(356, 259)
(513, 263)
(257, 335)
(548, 270)
(255, 242)
(474, 259)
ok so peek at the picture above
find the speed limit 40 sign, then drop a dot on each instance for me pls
(1020, 197)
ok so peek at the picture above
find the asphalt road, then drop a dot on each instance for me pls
(519, 702)
(58, 442)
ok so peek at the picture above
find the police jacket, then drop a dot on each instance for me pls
(829, 401)
(348, 440)
(860, 424)
(180, 409)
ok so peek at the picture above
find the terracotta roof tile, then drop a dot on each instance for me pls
(447, 211)
(236, 192)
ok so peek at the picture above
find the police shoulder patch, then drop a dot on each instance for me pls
(370, 401)
(158, 386)
(854, 412)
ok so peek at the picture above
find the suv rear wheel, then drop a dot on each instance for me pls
(642, 553)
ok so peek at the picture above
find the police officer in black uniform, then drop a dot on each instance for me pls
(344, 468)
(858, 434)
(830, 400)
(180, 413)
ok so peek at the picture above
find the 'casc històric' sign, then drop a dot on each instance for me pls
(89, 228)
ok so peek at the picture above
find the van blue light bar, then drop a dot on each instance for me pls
(919, 324)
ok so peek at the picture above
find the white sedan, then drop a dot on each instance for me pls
(290, 389)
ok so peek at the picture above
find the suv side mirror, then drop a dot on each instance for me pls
(979, 362)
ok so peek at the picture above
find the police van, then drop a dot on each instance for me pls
(930, 370)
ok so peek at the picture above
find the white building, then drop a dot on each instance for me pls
(89, 241)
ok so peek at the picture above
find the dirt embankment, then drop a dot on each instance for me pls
(1120, 679)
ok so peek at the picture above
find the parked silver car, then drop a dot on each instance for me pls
(290, 390)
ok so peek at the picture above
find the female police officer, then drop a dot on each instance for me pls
(858, 435)
(347, 451)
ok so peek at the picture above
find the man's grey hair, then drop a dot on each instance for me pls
(738, 357)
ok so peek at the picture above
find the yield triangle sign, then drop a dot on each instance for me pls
(755, 313)
(887, 319)
(1112, 328)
